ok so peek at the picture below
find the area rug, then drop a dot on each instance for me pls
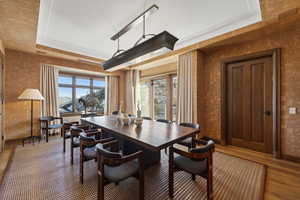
(43, 171)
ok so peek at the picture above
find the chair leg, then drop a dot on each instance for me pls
(193, 177)
(71, 152)
(171, 173)
(47, 135)
(81, 169)
(64, 145)
(100, 191)
(61, 132)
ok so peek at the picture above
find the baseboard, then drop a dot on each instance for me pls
(291, 158)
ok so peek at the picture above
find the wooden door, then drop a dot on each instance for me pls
(249, 104)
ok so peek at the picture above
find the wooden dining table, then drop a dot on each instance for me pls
(151, 137)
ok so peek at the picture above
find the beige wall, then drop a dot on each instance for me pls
(289, 42)
(23, 71)
(271, 8)
(2, 49)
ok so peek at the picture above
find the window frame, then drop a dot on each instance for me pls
(73, 85)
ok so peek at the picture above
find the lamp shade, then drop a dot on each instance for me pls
(31, 94)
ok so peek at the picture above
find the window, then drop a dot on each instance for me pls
(160, 98)
(154, 98)
(74, 91)
(145, 89)
(174, 98)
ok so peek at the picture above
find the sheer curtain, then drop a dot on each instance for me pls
(111, 94)
(49, 90)
(187, 89)
(132, 91)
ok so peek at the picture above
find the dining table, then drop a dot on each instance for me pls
(151, 136)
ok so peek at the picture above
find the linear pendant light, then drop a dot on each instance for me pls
(156, 42)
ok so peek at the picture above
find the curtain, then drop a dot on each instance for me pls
(132, 91)
(49, 90)
(187, 89)
(111, 94)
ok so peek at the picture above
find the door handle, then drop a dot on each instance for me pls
(268, 113)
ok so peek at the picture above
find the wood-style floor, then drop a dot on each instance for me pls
(283, 177)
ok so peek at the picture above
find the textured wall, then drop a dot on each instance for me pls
(289, 42)
(271, 8)
(23, 71)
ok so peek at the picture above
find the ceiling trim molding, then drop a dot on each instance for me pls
(67, 53)
(226, 36)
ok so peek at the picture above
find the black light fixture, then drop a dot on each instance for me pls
(156, 42)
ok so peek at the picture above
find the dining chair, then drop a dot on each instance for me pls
(189, 142)
(48, 123)
(113, 167)
(147, 118)
(196, 161)
(74, 138)
(66, 132)
(88, 149)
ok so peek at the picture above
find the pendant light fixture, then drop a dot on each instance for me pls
(140, 48)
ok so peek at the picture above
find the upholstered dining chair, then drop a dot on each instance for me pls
(188, 142)
(147, 118)
(113, 167)
(48, 123)
(197, 161)
(74, 138)
(66, 132)
(88, 149)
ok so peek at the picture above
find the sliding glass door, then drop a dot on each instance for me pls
(158, 97)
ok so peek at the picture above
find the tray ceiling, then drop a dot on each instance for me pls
(85, 27)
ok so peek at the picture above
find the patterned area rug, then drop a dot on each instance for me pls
(44, 172)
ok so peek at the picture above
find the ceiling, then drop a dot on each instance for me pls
(85, 27)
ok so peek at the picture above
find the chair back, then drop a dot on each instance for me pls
(47, 118)
(147, 118)
(209, 147)
(86, 141)
(108, 157)
(115, 113)
(191, 125)
(76, 130)
(164, 121)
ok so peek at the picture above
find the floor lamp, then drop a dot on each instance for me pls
(31, 95)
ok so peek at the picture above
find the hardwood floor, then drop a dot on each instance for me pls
(283, 177)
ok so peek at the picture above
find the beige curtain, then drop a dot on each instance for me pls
(49, 90)
(187, 89)
(111, 94)
(132, 91)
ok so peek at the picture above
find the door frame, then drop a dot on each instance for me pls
(2, 134)
(276, 58)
